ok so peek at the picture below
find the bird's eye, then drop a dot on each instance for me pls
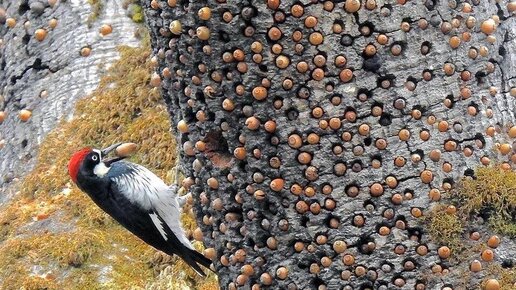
(94, 158)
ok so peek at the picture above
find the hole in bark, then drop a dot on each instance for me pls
(507, 263)
(224, 37)
(366, 28)
(303, 221)
(480, 76)
(415, 232)
(367, 141)
(452, 100)
(413, 261)
(348, 111)
(217, 149)
(420, 153)
(430, 4)
(366, 286)
(200, 97)
(386, 81)
(357, 166)
(352, 190)
(372, 64)
(346, 40)
(339, 22)
(385, 119)
(24, 7)
(292, 114)
(366, 244)
(263, 68)
(24, 143)
(328, 221)
(363, 94)
(502, 51)
(469, 172)
(318, 282)
(25, 39)
(377, 157)
(303, 92)
(369, 203)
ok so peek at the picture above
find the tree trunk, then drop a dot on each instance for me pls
(49, 75)
(315, 133)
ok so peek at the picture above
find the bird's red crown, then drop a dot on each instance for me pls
(75, 162)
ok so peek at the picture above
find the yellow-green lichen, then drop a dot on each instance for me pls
(54, 228)
(492, 191)
(505, 276)
(445, 228)
(137, 13)
(96, 9)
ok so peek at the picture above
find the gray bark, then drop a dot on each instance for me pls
(48, 77)
(246, 223)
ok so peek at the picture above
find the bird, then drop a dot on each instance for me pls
(137, 199)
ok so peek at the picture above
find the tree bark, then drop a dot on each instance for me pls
(312, 131)
(47, 77)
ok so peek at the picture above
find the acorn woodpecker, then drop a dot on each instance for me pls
(137, 199)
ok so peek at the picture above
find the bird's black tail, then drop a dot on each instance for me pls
(194, 259)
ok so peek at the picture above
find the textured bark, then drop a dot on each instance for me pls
(241, 213)
(47, 77)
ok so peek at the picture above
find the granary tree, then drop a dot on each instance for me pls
(323, 140)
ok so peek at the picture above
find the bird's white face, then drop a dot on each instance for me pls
(100, 169)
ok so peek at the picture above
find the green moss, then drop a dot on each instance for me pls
(505, 276)
(96, 9)
(445, 228)
(492, 192)
(137, 13)
(96, 253)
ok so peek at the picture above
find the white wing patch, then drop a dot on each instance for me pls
(159, 225)
(144, 188)
(140, 186)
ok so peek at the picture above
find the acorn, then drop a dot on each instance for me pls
(492, 284)
(176, 27)
(155, 80)
(2, 116)
(204, 13)
(85, 51)
(52, 23)
(10, 22)
(277, 184)
(105, 29)
(282, 273)
(352, 6)
(203, 33)
(125, 149)
(493, 241)
(182, 126)
(487, 255)
(40, 34)
(488, 26)
(197, 234)
(511, 6)
(475, 266)
(444, 252)
(25, 115)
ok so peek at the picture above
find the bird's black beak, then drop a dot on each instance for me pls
(108, 150)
